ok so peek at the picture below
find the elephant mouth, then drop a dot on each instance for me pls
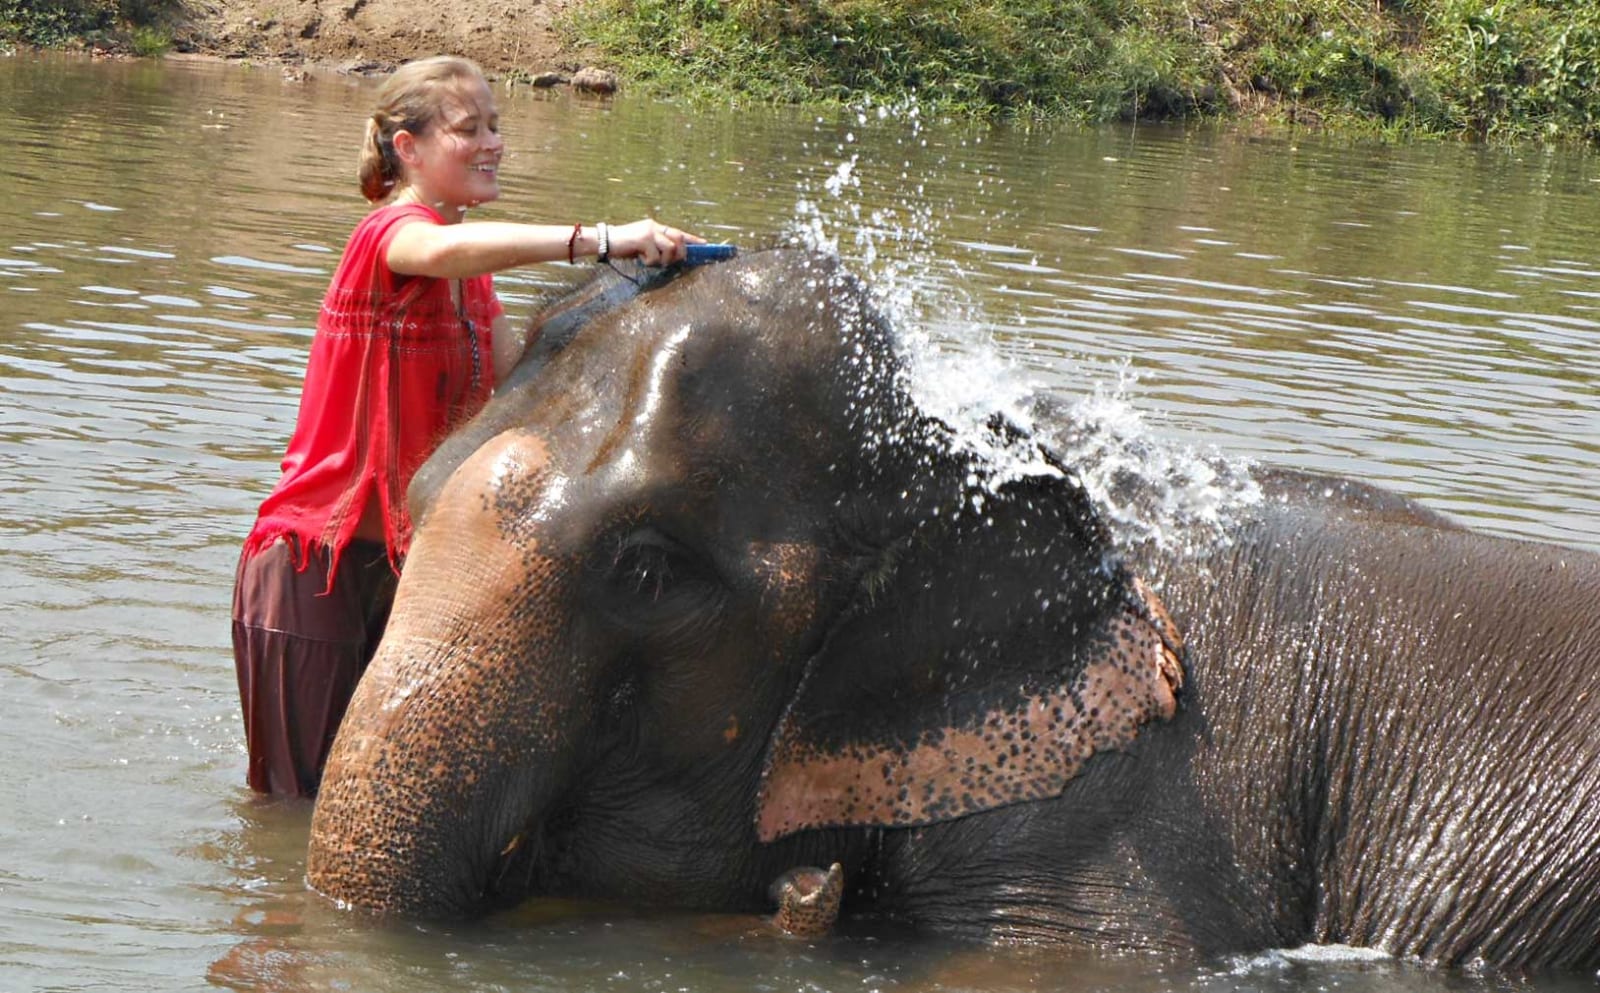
(511, 872)
(528, 864)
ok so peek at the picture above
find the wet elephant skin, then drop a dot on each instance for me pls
(704, 596)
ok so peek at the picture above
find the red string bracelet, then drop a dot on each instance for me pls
(572, 243)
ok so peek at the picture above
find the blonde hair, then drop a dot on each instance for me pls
(410, 100)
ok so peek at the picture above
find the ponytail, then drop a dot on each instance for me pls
(378, 170)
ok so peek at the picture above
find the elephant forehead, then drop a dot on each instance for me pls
(487, 532)
(486, 542)
(510, 478)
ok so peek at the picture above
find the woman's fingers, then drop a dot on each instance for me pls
(665, 243)
(653, 243)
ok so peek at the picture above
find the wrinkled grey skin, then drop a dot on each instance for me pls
(714, 517)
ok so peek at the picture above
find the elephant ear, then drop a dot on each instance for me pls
(994, 656)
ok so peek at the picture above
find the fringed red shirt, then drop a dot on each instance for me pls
(394, 367)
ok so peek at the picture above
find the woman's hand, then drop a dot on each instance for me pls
(650, 242)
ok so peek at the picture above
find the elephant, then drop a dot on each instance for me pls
(706, 594)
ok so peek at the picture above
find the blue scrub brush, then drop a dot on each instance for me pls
(699, 254)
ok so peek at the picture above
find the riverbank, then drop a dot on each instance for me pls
(1514, 70)
(504, 36)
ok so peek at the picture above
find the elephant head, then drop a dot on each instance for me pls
(703, 596)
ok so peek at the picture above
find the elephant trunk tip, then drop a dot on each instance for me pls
(376, 883)
(360, 860)
(362, 857)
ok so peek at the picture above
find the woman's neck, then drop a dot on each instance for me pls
(411, 194)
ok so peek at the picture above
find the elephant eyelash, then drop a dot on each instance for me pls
(880, 569)
(643, 570)
(650, 566)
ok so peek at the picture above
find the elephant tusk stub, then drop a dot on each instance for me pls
(808, 900)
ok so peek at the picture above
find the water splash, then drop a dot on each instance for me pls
(1279, 959)
(967, 391)
(1150, 490)
(895, 245)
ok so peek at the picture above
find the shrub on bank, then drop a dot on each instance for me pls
(1516, 68)
(1043, 56)
(1509, 68)
(137, 25)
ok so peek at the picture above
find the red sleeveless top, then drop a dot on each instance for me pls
(394, 367)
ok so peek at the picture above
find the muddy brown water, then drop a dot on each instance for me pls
(1422, 316)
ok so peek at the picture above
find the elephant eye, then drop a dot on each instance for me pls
(645, 571)
(649, 567)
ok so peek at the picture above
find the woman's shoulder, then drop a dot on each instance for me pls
(373, 232)
(391, 215)
(361, 266)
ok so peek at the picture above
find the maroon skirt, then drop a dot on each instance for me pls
(299, 647)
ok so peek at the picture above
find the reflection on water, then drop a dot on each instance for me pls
(1425, 317)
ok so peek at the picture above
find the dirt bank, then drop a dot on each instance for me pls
(500, 35)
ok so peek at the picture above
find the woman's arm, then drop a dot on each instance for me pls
(472, 248)
(510, 341)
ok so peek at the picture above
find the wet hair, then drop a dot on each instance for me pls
(410, 100)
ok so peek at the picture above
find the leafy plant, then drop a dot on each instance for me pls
(46, 24)
(148, 42)
(57, 23)
(1517, 69)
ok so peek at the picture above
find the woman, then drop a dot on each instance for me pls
(410, 341)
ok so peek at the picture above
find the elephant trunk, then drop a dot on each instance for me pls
(446, 750)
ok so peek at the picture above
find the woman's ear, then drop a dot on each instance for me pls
(405, 147)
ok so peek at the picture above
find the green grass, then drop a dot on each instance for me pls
(1512, 69)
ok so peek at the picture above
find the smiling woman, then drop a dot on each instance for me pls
(411, 340)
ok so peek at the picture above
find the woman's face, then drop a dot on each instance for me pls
(456, 160)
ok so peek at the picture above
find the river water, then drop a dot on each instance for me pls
(1424, 316)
